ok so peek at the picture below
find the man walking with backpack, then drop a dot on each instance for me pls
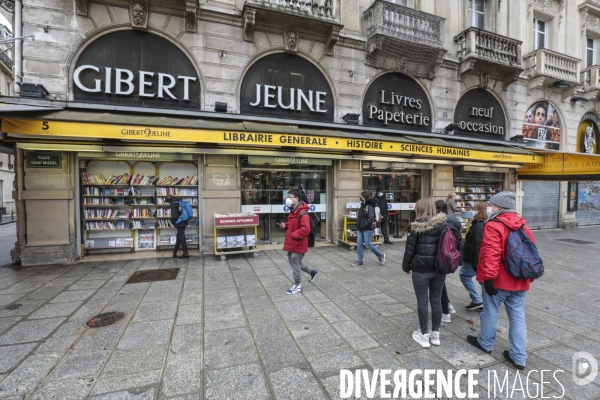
(365, 227)
(296, 238)
(180, 225)
(383, 209)
(498, 285)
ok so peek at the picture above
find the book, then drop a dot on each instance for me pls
(240, 241)
(221, 242)
(89, 243)
(164, 240)
(231, 241)
(128, 242)
(111, 243)
(120, 242)
(120, 224)
(250, 240)
(173, 239)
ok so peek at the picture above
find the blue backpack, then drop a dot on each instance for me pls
(522, 258)
(186, 211)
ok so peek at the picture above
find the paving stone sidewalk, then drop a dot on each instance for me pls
(226, 330)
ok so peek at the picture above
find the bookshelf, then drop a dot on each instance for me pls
(123, 206)
(468, 194)
(180, 180)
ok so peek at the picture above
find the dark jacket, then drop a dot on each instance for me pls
(383, 205)
(175, 213)
(297, 231)
(493, 251)
(366, 215)
(421, 249)
(473, 243)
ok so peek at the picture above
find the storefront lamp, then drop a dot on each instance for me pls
(561, 84)
(220, 106)
(351, 119)
(451, 127)
(575, 99)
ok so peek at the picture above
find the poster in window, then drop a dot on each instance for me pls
(573, 189)
(541, 126)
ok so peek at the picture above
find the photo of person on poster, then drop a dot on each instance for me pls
(542, 124)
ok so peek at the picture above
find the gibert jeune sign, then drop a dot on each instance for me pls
(134, 68)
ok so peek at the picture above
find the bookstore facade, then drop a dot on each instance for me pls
(96, 181)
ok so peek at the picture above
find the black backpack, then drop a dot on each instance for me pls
(313, 228)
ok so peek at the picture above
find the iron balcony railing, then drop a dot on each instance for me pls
(544, 62)
(478, 43)
(6, 59)
(403, 39)
(321, 9)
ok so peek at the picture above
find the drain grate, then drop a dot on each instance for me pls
(575, 241)
(153, 275)
(105, 319)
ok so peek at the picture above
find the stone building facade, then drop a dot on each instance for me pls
(515, 54)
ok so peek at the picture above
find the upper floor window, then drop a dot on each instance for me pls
(476, 13)
(590, 51)
(401, 2)
(540, 34)
(8, 85)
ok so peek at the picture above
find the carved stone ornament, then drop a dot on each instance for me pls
(191, 7)
(592, 23)
(139, 15)
(546, 5)
(291, 42)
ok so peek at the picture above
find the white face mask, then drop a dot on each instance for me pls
(288, 202)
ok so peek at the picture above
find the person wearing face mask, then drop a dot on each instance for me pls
(296, 239)
(383, 208)
(365, 225)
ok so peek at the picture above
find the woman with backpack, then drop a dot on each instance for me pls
(180, 227)
(471, 255)
(420, 257)
(365, 228)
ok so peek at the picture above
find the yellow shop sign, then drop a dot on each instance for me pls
(149, 134)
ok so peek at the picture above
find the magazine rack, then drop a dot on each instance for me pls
(243, 242)
(347, 238)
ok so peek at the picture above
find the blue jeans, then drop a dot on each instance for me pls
(365, 237)
(466, 275)
(514, 303)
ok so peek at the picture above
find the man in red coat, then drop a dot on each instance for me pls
(296, 238)
(500, 287)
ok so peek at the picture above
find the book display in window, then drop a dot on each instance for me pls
(123, 203)
(468, 194)
(179, 180)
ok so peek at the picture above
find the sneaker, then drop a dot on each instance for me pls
(451, 309)
(388, 242)
(313, 274)
(294, 289)
(474, 306)
(446, 318)
(517, 366)
(357, 264)
(423, 340)
(474, 342)
(382, 259)
(435, 338)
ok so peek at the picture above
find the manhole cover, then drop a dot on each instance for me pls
(153, 275)
(575, 241)
(105, 319)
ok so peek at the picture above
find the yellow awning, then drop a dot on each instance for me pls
(559, 166)
(237, 134)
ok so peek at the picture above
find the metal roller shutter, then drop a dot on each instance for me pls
(540, 204)
(588, 203)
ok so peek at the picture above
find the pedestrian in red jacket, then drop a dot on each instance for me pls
(498, 286)
(296, 238)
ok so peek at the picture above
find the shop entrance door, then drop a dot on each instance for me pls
(401, 189)
(265, 184)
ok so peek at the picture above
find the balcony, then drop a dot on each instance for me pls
(544, 67)
(5, 58)
(488, 53)
(320, 17)
(403, 39)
